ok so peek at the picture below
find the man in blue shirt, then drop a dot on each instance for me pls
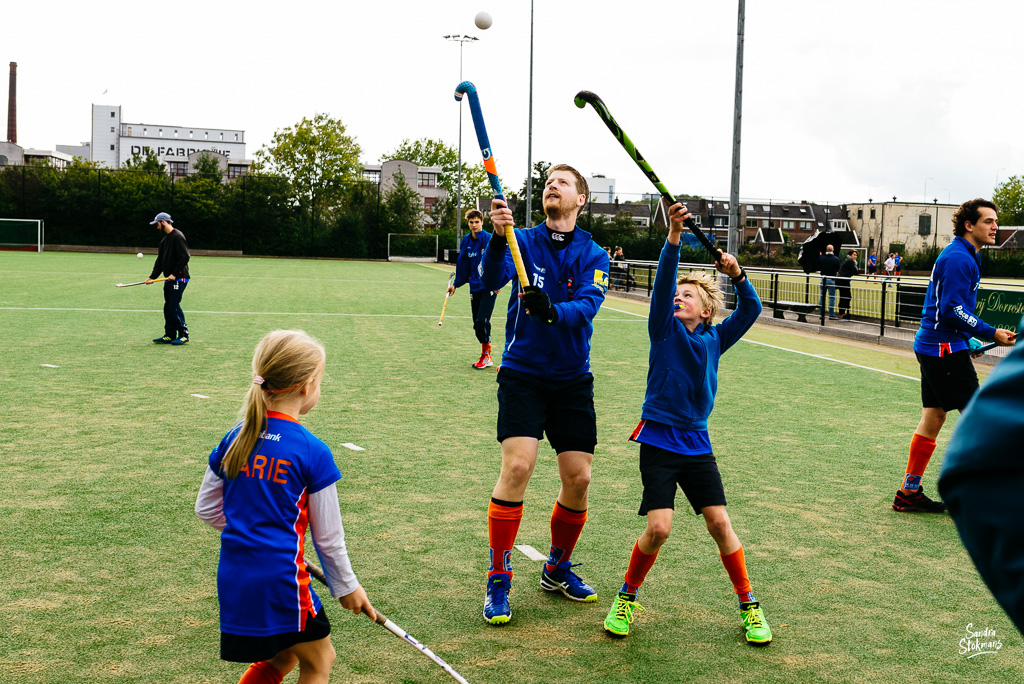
(942, 343)
(545, 387)
(467, 271)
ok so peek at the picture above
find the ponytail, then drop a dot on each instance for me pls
(283, 362)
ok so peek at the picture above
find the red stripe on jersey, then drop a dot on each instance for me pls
(281, 416)
(304, 594)
(636, 433)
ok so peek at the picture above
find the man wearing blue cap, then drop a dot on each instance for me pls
(172, 261)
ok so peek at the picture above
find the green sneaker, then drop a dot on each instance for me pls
(758, 631)
(620, 617)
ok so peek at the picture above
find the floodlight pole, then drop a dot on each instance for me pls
(735, 232)
(461, 40)
(528, 223)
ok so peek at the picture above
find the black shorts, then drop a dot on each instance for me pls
(532, 406)
(947, 382)
(238, 648)
(661, 470)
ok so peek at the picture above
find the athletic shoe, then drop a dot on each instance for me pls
(484, 362)
(563, 579)
(916, 503)
(180, 340)
(496, 608)
(620, 617)
(757, 629)
(163, 340)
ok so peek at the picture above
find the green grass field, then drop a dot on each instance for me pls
(108, 576)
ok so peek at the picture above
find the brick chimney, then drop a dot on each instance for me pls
(12, 105)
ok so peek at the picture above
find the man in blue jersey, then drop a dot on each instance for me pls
(942, 343)
(467, 270)
(545, 387)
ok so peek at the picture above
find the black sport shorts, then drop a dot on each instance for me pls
(661, 470)
(947, 382)
(532, 406)
(238, 648)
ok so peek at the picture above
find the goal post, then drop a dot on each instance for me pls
(21, 235)
(412, 247)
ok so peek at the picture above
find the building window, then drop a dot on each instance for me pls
(160, 133)
(111, 115)
(190, 134)
(372, 176)
(236, 170)
(872, 212)
(751, 223)
(178, 168)
(787, 225)
(222, 136)
(719, 221)
(860, 213)
(236, 137)
(750, 207)
(111, 129)
(111, 147)
(428, 203)
(426, 180)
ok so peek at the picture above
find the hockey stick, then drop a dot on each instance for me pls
(451, 279)
(465, 88)
(581, 100)
(316, 573)
(141, 282)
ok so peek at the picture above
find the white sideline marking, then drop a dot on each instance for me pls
(353, 447)
(200, 396)
(530, 552)
(826, 358)
(48, 365)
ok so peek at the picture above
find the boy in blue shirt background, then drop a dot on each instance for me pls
(467, 271)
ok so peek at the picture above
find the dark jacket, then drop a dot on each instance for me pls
(172, 256)
(828, 264)
(849, 268)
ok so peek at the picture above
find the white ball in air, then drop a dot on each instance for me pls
(482, 21)
(139, 255)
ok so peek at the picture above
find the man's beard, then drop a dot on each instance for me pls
(562, 209)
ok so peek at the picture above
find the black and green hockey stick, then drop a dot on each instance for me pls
(582, 99)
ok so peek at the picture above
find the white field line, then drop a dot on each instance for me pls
(827, 358)
(530, 552)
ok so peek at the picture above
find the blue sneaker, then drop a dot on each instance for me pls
(496, 608)
(563, 579)
(180, 340)
(164, 340)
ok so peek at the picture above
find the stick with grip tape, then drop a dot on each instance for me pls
(316, 573)
(141, 282)
(585, 97)
(451, 279)
(467, 88)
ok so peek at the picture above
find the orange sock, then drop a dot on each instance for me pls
(261, 673)
(486, 347)
(921, 450)
(736, 566)
(640, 564)
(502, 528)
(566, 526)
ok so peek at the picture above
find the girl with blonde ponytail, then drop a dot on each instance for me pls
(265, 482)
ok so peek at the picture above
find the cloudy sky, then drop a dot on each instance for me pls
(841, 101)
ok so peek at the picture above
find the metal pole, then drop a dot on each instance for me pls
(734, 191)
(529, 137)
(458, 208)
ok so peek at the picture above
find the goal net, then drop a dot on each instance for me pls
(21, 235)
(412, 247)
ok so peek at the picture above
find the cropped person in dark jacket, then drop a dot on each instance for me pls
(846, 272)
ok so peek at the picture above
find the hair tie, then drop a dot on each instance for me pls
(258, 380)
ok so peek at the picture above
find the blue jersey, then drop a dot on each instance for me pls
(575, 280)
(262, 582)
(471, 253)
(682, 376)
(948, 320)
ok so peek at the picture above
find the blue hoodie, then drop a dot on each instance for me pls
(471, 253)
(574, 281)
(948, 316)
(682, 378)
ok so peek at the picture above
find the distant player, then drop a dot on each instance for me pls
(675, 448)
(265, 480)
(872, 265)
(172, 261)
(942, 343)
(896, 261)
(545, 386)
(467, 270)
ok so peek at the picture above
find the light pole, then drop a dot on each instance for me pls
(528, 223)
(461, 40)
(924, 197)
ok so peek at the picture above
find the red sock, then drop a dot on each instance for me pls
(502, 527)
(261, 673)
(921, 450)
(640, 564)
(736, 566)
(486, 347)
(566, 526)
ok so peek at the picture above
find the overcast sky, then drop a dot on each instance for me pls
(841, 101)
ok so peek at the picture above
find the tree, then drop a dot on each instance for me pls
(540, 177)
(207, 166)
(317, 157)
(147, 161)
(1009, 197)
